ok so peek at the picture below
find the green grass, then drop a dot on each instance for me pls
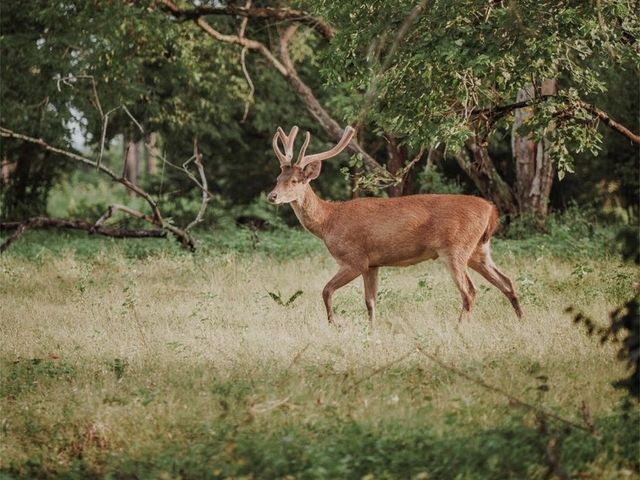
(134, 359)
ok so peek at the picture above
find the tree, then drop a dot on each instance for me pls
(456, 76)
(31, 104)
(63, 61)
(281, 60)
(533, 164)
(409, 75)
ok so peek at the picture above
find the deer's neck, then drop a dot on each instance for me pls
(312, 211)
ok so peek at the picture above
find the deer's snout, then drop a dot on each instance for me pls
(272, 197)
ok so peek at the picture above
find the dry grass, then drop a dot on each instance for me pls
(136, 352)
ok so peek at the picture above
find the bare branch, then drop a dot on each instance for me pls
(206, 196)
(125, 158)
(243, 63)
(103, 138)
(405, 171)
(45, 222)
(496, 112)
(610, 122)
(116, 207)
(252, 88)
(5, 132)
(157, 218)
(133, 119)
(512, 398)
(104, 117)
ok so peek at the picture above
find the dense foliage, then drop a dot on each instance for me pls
(471, 56)
(454, 62)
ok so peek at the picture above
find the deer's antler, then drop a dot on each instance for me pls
(287, 140)
(304, 160)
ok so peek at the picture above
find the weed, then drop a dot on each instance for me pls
(277, 297)
(118, 367)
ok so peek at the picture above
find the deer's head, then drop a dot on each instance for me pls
(294, 177)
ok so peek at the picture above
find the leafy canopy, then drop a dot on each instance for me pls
(465, 56)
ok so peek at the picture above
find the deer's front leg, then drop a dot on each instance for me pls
(340, 279)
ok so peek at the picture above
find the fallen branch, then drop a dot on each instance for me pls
(72, 224)
(121, 208)
(183, 237)
(378, 370)
(512, 398)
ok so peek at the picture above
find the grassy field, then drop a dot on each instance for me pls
(135, 360)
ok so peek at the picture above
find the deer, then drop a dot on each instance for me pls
(364, 234)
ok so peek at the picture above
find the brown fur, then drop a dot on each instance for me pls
(492, 226)
(367, 233)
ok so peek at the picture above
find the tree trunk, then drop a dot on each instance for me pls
(7, 169)
(474, 159)
(151, 154)
(397, 159)
(534, 168)
(131, 162)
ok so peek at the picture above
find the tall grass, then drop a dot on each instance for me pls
(137, 361)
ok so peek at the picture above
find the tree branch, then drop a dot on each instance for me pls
(45, 222)
(243, 63)
(287, 69)
(328, 123)
(269, 13)
(499, 111)
(206, 196)
(116, 207)
(233, 39)
(610, 122)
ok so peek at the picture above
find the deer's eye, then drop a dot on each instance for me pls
(294, 181)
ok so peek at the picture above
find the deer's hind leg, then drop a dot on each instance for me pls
(471, 288)
(482, 263)
(370, 278)
(457, 266)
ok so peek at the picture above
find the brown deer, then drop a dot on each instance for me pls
(367, 233)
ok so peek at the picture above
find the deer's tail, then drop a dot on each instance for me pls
(492, 224)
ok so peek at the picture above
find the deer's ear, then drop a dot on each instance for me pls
(311, 171)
